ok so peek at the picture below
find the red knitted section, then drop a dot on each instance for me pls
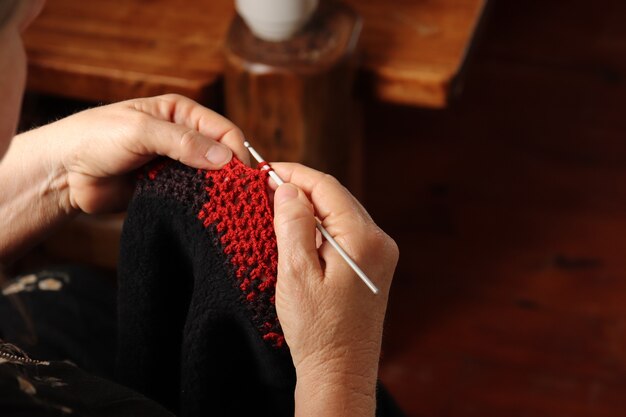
(238, 207)
(233, 204)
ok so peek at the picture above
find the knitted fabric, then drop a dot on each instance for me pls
(235, 205)
(198, 330)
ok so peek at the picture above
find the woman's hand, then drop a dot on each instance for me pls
(331, 321)
(86, 162)
(100, 147)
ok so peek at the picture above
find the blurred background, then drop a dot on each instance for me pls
(486, 137)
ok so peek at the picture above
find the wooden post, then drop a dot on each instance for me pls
(294, 99)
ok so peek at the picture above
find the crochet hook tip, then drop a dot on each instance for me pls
(321, 228)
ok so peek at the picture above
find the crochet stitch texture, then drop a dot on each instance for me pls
(197, 277)
(234, 202)
(198, 330)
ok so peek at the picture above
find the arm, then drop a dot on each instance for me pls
(331, 321)
(32, 189)
(86, 162)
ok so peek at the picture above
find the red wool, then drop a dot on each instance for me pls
(239, 209)
(237, 206)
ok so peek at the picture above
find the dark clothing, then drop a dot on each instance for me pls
(198, 331)
(71, 325)
(63, 313)
(59, 315)
(60, 388)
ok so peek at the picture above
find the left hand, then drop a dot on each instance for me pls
(100, 148)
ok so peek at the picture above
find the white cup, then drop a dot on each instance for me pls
(275, 20)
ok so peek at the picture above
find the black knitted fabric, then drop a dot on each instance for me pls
(186, 338)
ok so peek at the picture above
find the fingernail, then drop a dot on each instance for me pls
(218, 154)
(285, 193)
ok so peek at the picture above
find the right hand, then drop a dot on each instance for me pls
(331, 321)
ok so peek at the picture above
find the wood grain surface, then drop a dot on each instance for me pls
(118, 49)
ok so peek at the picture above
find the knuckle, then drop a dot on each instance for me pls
(138, 126)
(384, 243)
(377, 245)
(172, 97)
(188, 139)
(330, 180)
(238, 133)
(142, 120)
(393, 249)
(294, 216)
(234, 133)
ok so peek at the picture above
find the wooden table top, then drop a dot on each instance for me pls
(114, 50)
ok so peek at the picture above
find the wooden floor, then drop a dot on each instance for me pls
(510, 212)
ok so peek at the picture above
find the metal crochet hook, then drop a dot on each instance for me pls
(319, 226)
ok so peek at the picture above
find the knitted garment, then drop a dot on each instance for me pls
(235, 206)
(198, 330)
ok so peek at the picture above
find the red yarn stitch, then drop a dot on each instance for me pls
(156, 167)
(239, 209)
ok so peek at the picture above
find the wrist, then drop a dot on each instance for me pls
(322, 398)
(336, 388)
(51, 181)
(34, 198)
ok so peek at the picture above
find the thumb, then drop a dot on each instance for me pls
(294, 225)
(186, 145)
